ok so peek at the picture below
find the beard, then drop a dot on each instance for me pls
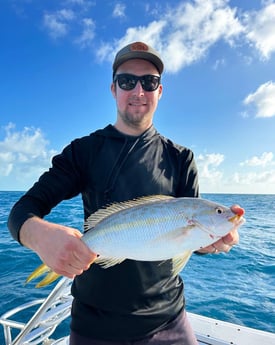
(136, 114)
(135, 119)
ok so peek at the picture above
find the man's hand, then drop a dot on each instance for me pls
(58, 246)
(225, 244)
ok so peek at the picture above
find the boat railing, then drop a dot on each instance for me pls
(57, 307)
(38, 330)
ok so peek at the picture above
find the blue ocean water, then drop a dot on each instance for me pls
(238, 287)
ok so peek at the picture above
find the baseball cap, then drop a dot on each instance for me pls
(138, 50)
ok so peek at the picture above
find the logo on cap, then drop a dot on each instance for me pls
(139, 46)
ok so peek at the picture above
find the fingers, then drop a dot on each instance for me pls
(59, 247)
(231, 239)
(223, 245)
(76, 259)
(66, 253)
(82, 260)
(226, 243)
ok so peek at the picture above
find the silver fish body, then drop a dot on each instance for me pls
(157, 228)
(154, 228)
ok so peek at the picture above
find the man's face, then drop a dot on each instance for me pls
(136, 107)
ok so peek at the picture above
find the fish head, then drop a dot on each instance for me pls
(218, 220)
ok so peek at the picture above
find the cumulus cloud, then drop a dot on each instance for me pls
(258, 172)
(23, 154)
(72, 19)
(264, 178)
(260, 28)
(185, 33)
(208, 164)
(263, 100)
(194, 28)
(57, 23)
(88, 33)
(265, 159)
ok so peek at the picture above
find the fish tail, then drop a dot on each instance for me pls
(50, 277)
(42, 269)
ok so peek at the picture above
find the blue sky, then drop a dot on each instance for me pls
(219, 82)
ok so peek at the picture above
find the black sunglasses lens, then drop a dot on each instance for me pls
(126, 81)
(129, 81)
(150, 82)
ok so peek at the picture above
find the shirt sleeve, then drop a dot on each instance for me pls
(62, 181)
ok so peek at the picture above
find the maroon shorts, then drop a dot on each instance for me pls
(177, 332)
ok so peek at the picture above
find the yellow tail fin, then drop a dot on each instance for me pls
(42, 269)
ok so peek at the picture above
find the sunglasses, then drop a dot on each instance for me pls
(128, 82)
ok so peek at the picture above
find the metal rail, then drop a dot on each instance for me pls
(52, 311)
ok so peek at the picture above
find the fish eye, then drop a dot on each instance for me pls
(219, 210)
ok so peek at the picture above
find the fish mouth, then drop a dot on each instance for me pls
(237, 219)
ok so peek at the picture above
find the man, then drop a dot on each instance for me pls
(133, 302)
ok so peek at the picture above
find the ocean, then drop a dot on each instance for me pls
(237, 287)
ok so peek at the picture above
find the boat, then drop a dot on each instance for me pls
(51, 311)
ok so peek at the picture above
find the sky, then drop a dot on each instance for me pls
(218, 84)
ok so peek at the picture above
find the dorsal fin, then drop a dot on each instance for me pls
(103, 213)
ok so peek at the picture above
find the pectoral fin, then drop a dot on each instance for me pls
(180, 261)
(108, 262)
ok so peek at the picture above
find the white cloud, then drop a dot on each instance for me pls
(186, 32)
(6, 166)
(149, 34)
(264, 160)
(207, 166)
(212, 178)
(263, 99)
(264, 178)
(71, 20)
(261, 29)
(57, 23)
(193, 28)
(119, 10)
(88, 33)
(258, 176)
(23, 155)
(183, 34)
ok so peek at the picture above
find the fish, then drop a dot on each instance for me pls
(153, 228)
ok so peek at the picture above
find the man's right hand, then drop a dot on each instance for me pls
(59, 247)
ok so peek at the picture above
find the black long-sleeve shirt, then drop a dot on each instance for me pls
(133, 299)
